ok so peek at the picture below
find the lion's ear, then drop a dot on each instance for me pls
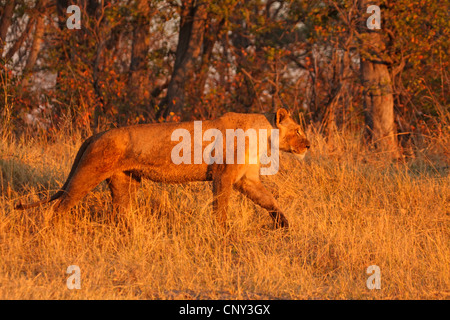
(281, 115)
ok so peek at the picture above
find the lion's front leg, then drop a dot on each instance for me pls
(255, 190)
(223, 178)
(221, 195)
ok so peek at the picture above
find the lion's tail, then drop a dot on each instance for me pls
(21, 206)
(58, 194)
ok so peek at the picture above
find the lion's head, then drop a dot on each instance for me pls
(291, 136)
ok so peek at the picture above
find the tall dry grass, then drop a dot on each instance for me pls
(348, 209)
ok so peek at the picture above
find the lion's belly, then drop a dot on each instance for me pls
(173, 173)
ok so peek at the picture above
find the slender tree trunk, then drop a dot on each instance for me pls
(61, 7)
(5, 22)
(245, 93)
(39, 29)
(377, 95)
(209, 40)
(190, 38)
(138, 78)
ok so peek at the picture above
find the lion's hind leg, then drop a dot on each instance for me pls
(123, 187)
(83, 181)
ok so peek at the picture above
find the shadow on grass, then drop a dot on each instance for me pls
(17, 176)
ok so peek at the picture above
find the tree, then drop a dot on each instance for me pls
(138, 79)
(192, 28)
(199, 59)
(377, 88)
(39, 29)
(5, 21)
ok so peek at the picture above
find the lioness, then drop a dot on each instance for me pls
(123, 156)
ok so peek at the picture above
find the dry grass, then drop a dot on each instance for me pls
(347, 209)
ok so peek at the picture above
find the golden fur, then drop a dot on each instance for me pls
(123, 156)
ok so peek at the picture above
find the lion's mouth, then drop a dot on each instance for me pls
(300, 156)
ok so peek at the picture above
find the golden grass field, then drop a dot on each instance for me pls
(348, 209)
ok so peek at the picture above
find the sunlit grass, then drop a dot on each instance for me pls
(348, 209)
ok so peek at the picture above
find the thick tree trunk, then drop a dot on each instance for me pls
(16, 46)
(377, 95)
(190, 38)
(379, 105)
(5, 22)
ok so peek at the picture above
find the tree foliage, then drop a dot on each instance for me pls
(141, 61)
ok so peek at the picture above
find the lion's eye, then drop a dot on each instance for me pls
(298, 133)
